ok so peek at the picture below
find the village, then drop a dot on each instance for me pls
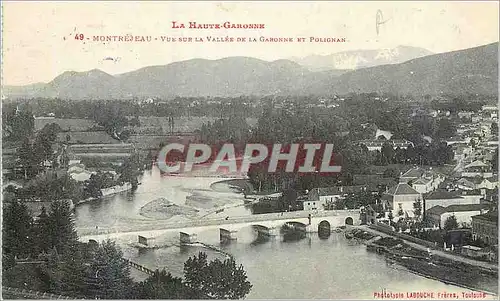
(440, 194)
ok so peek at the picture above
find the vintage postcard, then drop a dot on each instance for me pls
(250, 150)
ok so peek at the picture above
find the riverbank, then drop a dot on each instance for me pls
(107, 192)
(401, 254)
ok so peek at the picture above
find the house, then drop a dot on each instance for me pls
(477, 171)
(438, 215)
(477, 252)
(402, 144)
(477, 163)
(78, 173)
(401, 198)
(13, 184)
(464, 114)
(374, 183)
(458, 140)
(465, 184)
(446, 198)
(380, 134)
(460, 150)
(422, 185)
(489, 108)
(492, 142)
(485, 183)
(376, 145)
(373, 145)
(485, 227)
(411, 175)
(476, 119)
(317, 198)
(494, 116)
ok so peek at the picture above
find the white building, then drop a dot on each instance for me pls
(438, 215)
(445, 199)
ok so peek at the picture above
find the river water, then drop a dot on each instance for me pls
(332, 268)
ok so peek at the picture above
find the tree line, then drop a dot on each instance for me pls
(44, 254)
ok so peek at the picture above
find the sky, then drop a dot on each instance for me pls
(39, 37)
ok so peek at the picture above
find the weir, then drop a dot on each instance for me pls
(138, 267)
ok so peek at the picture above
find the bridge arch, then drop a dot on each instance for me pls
(260, 227)
(324, 229)
(324, 226)
(296, 225)
(349, 221)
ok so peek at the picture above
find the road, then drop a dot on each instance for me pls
(440, 253)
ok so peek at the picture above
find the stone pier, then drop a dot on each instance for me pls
(265, 231)
(187, 238)
(227, 235)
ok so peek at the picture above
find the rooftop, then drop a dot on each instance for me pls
(442, 195)
(456, 208)
(491, 216)
(413, 173)
(476, 163)
(422, 181)
(338, 190)
(402, 189)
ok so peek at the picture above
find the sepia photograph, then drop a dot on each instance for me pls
(342, 150)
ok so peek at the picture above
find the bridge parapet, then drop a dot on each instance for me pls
(284, 216)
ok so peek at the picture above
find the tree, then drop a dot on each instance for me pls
(27, 161)
(108, 277)
(451, 223)
(494, 129)
(96, 182)
(161, 285)
(494, 160)
(17, 231)
(391, 173)
(417, 208)
(62, 229)
(42, 147)
(73, 271)
(215, 280)
(387, 153)
(42, 232)
(400, 212)
(444, 129)
(390, 216)
(130, 170)
(18, 124)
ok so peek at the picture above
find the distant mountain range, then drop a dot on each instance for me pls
(471, 70)
(356, 59)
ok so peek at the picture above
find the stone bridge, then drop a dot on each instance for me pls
(266, 224)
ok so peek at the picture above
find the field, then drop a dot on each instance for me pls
(97, 137)
(160, 125)
(66, 124)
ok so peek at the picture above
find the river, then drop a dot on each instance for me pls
(332, 268)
